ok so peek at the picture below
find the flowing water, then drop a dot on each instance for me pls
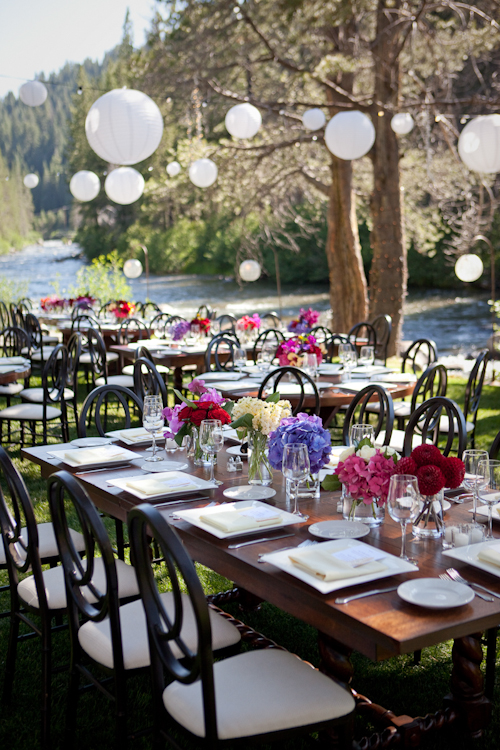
(459, 322)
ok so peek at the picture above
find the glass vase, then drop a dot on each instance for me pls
(356, 510)
(310, 487)
(429, 523)
(259, 468)
(194, 451)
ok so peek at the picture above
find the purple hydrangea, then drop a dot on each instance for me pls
(301, 429)
(180, 329)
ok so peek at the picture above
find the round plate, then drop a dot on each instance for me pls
(446, 505)
(154, 466)
(433, 593)
(324, 384)
(250, 492)
(91, 442)
(339, 529)
(235, 450)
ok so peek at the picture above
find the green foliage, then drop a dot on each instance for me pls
(103, 279)
(13, 291)
(16, 209)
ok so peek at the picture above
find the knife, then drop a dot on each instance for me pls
(345, 599)
(256, 541)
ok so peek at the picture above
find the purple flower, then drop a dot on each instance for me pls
(211, 394)
(180, 329)
(301, 429)
(197, 386)
(172, 416)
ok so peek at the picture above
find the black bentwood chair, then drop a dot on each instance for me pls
(424, 424)
(256, 696)
(358, 412)
(302, 386)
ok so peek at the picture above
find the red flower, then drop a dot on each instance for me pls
(453, 470)
(430, 479)
(426, 454)
(406, 466)
(205, 410)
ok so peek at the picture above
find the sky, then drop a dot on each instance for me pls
(42, 35)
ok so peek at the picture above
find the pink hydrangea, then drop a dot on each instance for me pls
(367, 480)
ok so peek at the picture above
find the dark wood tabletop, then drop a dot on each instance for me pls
(18, 372)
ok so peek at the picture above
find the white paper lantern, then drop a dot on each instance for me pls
(243, 120)
(203, 173)
(124, 126)
(124, 185)
(85, 185)
(31, 181)
(402, 123)
(350, 135)
(132, 268)
(479, 144)
(33, 93)
(173, 168)
(469, 267)
(249, 270)
(313, 119)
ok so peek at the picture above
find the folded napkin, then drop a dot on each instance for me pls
(13, 361)
(323, 565)
(335, 454)
(95, 455)
(155, 486)
(6, 368)
(490, 555)
(135, 434)
(243, 520)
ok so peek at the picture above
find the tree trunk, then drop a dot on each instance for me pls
(388, 275)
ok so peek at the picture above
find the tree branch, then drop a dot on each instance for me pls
(317, 184)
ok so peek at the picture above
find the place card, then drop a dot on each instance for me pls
(357, 556)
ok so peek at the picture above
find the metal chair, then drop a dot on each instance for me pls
(100, 407)
(495, 446)
(14, 341)
(226, 323)
(221, 348)
(148, 381)
(96, 360)
(132, 329)
(432, 382)
(145, 308)
(269, 335)
(160, 325)
(304, 387)
(363, 334)
(419, 355)
(424, 423)
(383, 329)
(473, 391)
(358, 413)
(273, 318)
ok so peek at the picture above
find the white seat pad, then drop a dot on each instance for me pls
(110, 357)
(397, 440)
(11, 389)
(129, 369)
(35, 395)
(29, 412)
(56, 593)
(47, 545)
(36, 356)
(258, 692)
(95, 637)
(444, 425)
(125, 380)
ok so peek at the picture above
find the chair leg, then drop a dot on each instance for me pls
(46, 684)
(10, 660)
(72, 707)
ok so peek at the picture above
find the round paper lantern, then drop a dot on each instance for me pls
(124, 126)
(313, 119)
(33, 93)
(402, 123)
(249, 270)
(85, 185)
(350, 135)
(243, 120)
(203, 173)
(469, 267)
(31, 181)
(173, 168)
(124, 185)
(479, 144)
(132, 268)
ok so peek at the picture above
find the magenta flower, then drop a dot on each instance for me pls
(210, 394)
(197, 386)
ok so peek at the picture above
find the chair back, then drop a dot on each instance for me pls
(321, 334)
(55, 375)
(358, 412)
(226, 323)
(204, 311)
(383, 329)
(103, 402)
(271, 335)
(271, 320)
(160, 325)
(495, 446)
(34, 331)
(146, 308)
(221, 347)
(474, 386)
(4, 315)
(81, 308)
(332, 345)
(424, 421)
(130, 329)
(148, 381)
(419, 355)
(74, 353)
(94, 343)
(16, 315)
(363, 334)
(85, 321)
(307, 387)
(433, 382)
(15, 340)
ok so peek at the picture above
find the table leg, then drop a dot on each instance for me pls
(335, 660)
(467, 685)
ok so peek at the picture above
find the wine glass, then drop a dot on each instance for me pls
(403, 504)
(211, 442)
(348, 357)
(266, 355)
(472, 479)
(489, 488)
(296, 466)
(359, 432)
(311, 364)
(153, 420)
(239, 358)
(366, 356)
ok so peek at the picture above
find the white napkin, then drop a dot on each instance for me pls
(155, 486)
(326, 566)
(95, 455)
(136, 434)
(490, 555)
(243, 520)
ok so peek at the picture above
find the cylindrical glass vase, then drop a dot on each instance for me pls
(259, 468)
(356, 510)
(429, 523)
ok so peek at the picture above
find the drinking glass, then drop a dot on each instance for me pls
(366, 356)
(153, 420)
(347, 356)
(472, 479)
(211, 442)
(359, 432)
(266, 355)
(311, 364)
(489, 488)
(239, 358)
(296, 466)
(403, 504)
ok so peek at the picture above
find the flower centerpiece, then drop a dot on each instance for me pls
(257, 419)
(308, 430)
(434, 472)
(307, 319)
(203, 323)
(291, 352)
(364, 473)
(122, 309)
(54, 303)
(180, 329)
(83, 302)
(248, 323)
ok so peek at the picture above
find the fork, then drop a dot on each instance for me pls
(445, 577)
(455, 575)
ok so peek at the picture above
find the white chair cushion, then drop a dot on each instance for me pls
(48, 338)
(401, 409)
(95, 637)
(444, 425)
(258, 692)
(125, 380)
(47, 546)
(111, 356)
(129, 369)
(85, 357)
(29, 412)
(35, 395)
(56, 592)
(36, 356)
(11, 389)
(397, 440)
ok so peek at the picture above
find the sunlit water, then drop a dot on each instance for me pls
(458, 322)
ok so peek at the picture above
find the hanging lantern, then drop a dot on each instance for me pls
(173, 168)
(31, 181)
(402, 123)
(33, 93)
(132, 268)
(313, 119)
(124, 185)
(124, 126)
(479, 144)
(203, 173)
(243, 120)
(469, 267)
(350, 135)
(85, 185)
(250, 270)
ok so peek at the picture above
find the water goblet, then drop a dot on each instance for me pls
(472, 479)
(366, 356)
(153, 420)
(310, 364)
(296, 466)
(359, 432)
(403, 505)
(239, 358)
(489, 488)
(266, 356)
(348, 357)
(211, 442)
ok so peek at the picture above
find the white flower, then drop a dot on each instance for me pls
(389, 452)
(366, 452)
(345, 454)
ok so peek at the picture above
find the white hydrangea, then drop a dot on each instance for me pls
(366, 452)
(348, 452)
(266, 415)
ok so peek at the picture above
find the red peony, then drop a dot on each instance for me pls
(406, 466)
(430, 479)
(203, 410)
(426, 454)
(453, 470)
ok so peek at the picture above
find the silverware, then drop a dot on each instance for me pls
(281, 549)
(256, 541)
(453, 573)
(446, 577)
(345, 599)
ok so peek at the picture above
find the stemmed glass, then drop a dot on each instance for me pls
(472, 479)
(211, 442)
(296, 466)
(239, 358)
(348, 357)
(403, 505)
(266, 355)
(489, 488)
(153, 420)
(366, 356)
(359, 432)
(311, 364)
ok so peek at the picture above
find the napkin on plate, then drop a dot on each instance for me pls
(155, 486)
(135, 434)
(13, 361)
(243, 520)
(95, 455)
(323, 565)
(490, 555)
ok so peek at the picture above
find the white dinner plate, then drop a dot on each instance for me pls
(324, 384)
(281, 559)
(117, 435)
(433, 593)
(469, 554)
(125, 457)
(222, 375)
(201, 485)
(192, 515)
(482, 510)
(249, 492)
(91, 442)
(398, 377)
(339, 529)
(329, 369)
(230, 433)
(235, 450)
(156, 466)
(353, 386)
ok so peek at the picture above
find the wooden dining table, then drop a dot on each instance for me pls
(380, 626)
